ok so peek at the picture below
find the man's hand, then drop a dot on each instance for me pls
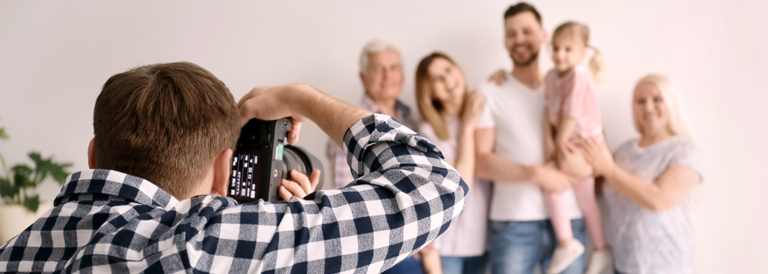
(552, 180)
(301, 103)
(300, 185)
(498, 77)
(268, 103)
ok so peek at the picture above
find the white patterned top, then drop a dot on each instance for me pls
(643, 240)
(469, 236)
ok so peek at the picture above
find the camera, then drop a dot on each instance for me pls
(262, 159)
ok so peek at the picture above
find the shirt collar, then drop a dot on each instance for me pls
(402, 110)
(115, 183)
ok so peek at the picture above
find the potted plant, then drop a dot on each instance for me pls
(20, 204)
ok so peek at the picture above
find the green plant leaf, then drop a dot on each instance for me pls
(6, 189)
(59, 173)
(32, 203)
(21, 176)
(3, 135)
(43, 167)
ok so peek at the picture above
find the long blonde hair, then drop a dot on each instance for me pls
(596, 64)
(428, 108)
(677, 122)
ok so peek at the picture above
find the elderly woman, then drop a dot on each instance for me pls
(650, 185)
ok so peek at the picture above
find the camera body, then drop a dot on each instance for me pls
(262, 159)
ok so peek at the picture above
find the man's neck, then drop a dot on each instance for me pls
(529, 75)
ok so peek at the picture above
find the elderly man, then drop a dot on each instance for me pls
(381, 72)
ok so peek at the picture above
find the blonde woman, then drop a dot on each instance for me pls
(650, 185)
(451, 115)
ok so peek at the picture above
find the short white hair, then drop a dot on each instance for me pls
(373, 47)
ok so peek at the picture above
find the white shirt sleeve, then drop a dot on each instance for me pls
(486, 120)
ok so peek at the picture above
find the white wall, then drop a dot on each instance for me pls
(55, 55)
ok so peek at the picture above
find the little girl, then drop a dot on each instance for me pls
(572, 113)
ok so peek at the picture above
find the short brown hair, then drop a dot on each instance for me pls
(522, 7)
(164, 123)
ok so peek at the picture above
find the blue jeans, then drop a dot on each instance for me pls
(407, 266)
(518, 247)
(464, 265)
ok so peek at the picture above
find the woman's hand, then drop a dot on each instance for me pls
(498, 77)
(597, 155)
(299, 185)
(473, 109)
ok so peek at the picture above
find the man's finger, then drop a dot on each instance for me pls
(293, 135)
(314, 179)
(302, 181)
(294, 188)
(247, 111)
(244, 98)
(284, 193)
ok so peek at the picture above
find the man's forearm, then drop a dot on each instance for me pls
(491, 166)
(332, 115)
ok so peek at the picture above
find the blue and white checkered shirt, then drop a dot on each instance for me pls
(104, 221)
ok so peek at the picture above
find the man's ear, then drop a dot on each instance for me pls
(92, 155)
(221, 170)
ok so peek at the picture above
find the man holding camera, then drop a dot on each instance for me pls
(155, 198)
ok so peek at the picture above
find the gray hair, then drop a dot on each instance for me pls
(373, 47)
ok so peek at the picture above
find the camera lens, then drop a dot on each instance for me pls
(296, 158)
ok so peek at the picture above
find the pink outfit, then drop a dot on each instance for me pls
(573, 94)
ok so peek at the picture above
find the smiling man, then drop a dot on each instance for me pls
(510, 152)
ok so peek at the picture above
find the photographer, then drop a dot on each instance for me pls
(155, 199)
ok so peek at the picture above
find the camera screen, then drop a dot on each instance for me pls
(246, 174)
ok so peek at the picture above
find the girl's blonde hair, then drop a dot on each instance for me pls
(428, 108)
(596, 64)
(677, 122)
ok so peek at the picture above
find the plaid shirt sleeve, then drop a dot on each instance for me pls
(404, 196)
(338, 159)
